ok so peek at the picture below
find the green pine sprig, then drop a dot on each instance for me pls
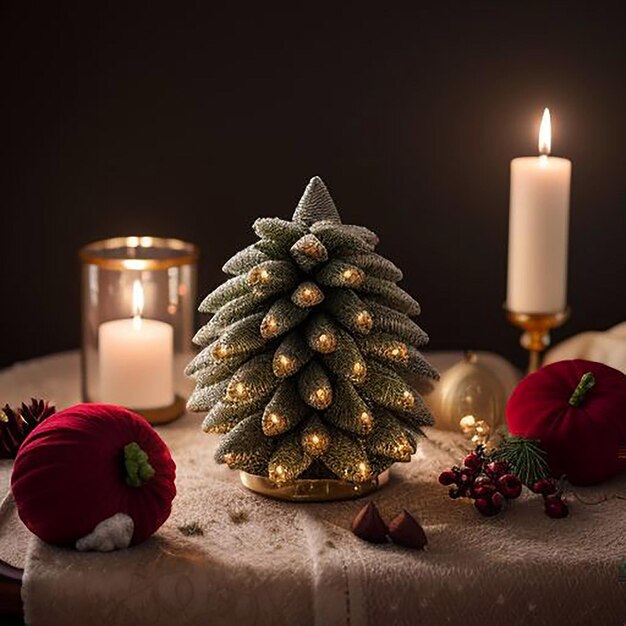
(525, 457)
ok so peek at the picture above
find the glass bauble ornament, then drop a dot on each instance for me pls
(470, 398)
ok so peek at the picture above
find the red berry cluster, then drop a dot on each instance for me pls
(489, 483)
(552, 493)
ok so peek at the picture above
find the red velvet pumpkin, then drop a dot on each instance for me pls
(74, 471)
(577, 410)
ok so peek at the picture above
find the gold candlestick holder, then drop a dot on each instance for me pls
(536, 327)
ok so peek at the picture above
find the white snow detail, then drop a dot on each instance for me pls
(110, 534)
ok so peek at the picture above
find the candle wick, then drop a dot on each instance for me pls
(137, 321)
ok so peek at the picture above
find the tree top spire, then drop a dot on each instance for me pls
(316, 204)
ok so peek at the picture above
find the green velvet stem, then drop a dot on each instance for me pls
(587, 381)
(137, 465)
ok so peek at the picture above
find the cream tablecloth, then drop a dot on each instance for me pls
(264, 562)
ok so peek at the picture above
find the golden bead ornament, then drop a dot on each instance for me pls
(220, 352)
(269, 327)
(309, 252)
(236, 391)
(407, 400)
(397, 351)
(364, 320)
(321, 398)
(404, 450)
(278, 474)
(365, 470)
(352, 276)
(326, 343)
(314, 249)
(359, 371)
(283, 365)
(315, 438)
(315, 443)
(307, 294)
(366, 419)
(287, 462)
(259, 276)
(273, 424)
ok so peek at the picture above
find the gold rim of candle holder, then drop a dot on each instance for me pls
(161, 415)
(313, 489)
(186, 253)
(536, 327)
(164, 415)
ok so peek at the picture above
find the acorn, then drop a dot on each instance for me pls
(406, 531)
(369, 525)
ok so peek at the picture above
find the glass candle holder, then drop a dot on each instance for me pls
(138, 305)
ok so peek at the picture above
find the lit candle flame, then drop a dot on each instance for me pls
(545, 133)
(138, 302)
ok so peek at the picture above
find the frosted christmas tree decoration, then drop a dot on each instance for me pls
(303, 363)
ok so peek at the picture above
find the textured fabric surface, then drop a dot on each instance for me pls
(608, 347)
(264, 562)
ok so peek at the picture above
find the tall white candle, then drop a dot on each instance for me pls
(136, 360)
(538, 230)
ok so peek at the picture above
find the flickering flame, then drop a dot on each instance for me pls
(138, 302)
(545, 133)
(315, 439)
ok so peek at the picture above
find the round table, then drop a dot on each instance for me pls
(260, 561)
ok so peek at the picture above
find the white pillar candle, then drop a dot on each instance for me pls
(136, 360)
(538, 230)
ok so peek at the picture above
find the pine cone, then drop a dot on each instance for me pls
(17, 424)
(305, 359)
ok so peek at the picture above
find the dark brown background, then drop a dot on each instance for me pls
(192, 119)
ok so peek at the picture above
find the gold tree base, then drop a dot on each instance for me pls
(313, 489)
(536, 336)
